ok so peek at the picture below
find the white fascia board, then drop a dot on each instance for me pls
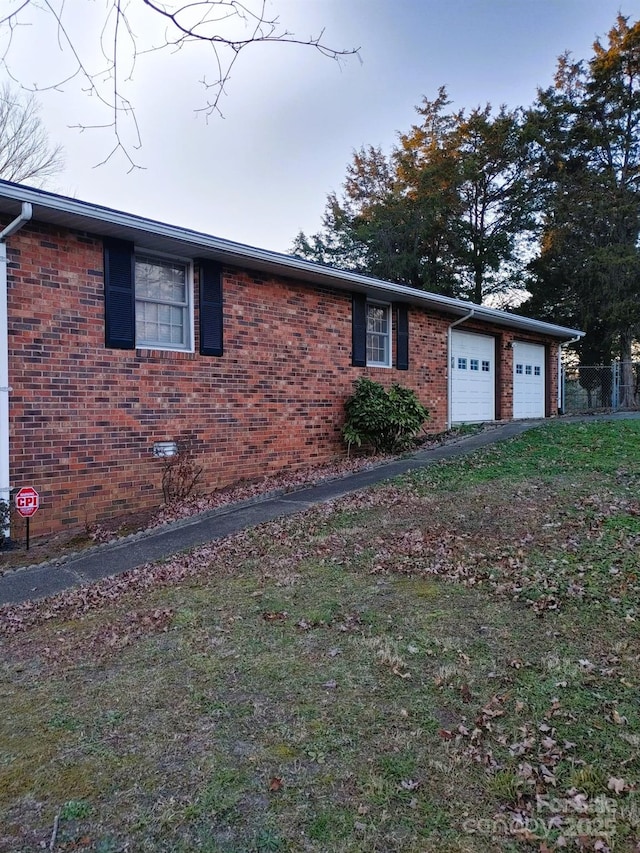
(104, 221)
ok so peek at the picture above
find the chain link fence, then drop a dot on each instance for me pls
(591, 388)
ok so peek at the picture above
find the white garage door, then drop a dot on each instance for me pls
(528, 380)
(473, 387)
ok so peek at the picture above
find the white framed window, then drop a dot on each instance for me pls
(378, 334)
(163, 288)
(462, 363)
(486, 366)
(474, 364)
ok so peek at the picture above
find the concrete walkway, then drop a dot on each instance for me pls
(112, 558)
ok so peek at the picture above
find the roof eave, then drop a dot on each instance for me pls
(148, 233)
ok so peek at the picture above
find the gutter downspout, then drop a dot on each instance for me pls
(449, 370)
(560, 383)
(5, 478)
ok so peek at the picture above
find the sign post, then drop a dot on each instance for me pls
(27, 503)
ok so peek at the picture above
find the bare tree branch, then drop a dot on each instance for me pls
(25, 153)
(227, 27)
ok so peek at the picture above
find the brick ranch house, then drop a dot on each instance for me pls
(119, 333)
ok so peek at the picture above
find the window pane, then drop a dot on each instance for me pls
(161, 280)
(377, 319)
(378, 337)
(162, 310)
(474, 364)
(377, 349)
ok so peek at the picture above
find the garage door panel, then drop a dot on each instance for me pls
(472, 377)
(528, 380)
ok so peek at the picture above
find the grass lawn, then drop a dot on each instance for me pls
(448, 662)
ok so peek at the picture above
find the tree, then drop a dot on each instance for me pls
(392, 220)
(429, 178)
(496, 221)
(444, 212)
(26, 155)
(350, 223)
(122, 33)
(587, 129)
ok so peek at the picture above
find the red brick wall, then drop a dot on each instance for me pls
(84, 418)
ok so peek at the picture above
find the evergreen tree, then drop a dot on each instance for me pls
(587, 132)
(496, 222)
(445, 211)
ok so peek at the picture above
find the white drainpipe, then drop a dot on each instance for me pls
(5, 477)
(449, 369)
(563, 344)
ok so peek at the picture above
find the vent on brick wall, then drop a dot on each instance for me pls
(161, 449)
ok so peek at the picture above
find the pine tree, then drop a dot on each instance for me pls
(445, 211)
(587, 130)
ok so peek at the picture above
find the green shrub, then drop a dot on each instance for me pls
(385, 421)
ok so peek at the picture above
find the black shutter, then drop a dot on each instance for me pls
(402, 337)
(119, 295)
(359, 330)
(210, 308)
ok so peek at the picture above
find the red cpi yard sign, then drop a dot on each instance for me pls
(27, 502)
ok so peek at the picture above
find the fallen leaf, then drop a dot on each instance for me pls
(526, 770)
(555, 707)
(547, 775)
(274, 616)
(616, 785)
(400, 674)
(276, 784)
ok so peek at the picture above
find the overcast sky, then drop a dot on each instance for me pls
(292, 117)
